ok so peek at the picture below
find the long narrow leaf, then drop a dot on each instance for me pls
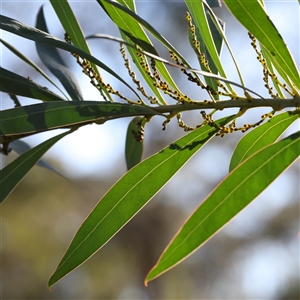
(253, 16)
(13, 173)
(261, 136)
(233, 194)
(30, 119)
(128, 196)
(15, 84)
(39, 36)
(53, 61)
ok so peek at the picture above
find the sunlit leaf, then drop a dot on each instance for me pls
(15, 84)
(13, 173)
(261, 136)
(128, 196)
(53, 61)
(35, 118)
(231, 196)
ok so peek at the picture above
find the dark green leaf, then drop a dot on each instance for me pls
(13, 173)
(134, 142)
(53, 61)
(15, 84)
(231, 196)
(128, 196)
(261, 136)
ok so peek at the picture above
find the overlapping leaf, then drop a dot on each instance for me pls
(261, 136)
(25, 31)
(53, 61)
(232, 195)
(128, 196)
(29, 62)
(13, 173)
(30, 119)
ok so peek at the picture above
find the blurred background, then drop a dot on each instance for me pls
(256, 256)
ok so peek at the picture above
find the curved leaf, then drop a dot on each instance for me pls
(15, 84)
(134, 145)
(13, 173)
(253, 16)
(128, 196)
(30, 119)
(261, 136)
(232, 195)
(53, 61)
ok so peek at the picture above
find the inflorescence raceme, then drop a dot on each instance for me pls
(149, 67)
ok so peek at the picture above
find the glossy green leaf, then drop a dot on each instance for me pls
(53, 61)
(28, 32)
(15, 84)
(30, 63)
(21, 147)
(13, 173)
(70, 24)
(253, 16)
(231, 196)
(261, 136)
(134, 145)
(128, 196)
(40, 117)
